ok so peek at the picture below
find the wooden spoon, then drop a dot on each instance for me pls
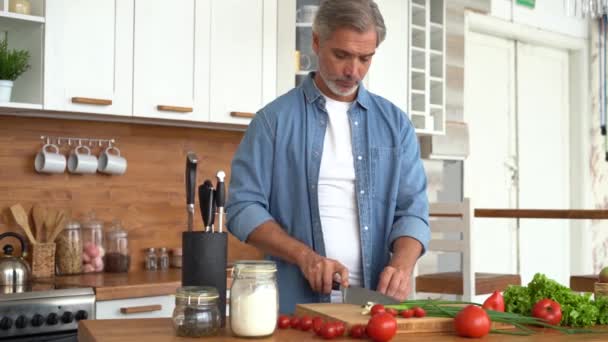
(50, 222)
(59, 225)
(21, 219)
(39, 213)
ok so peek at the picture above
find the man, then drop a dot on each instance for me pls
(328, 179)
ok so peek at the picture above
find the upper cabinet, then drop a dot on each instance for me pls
(88, 56)
(243, 62)
(164, 59)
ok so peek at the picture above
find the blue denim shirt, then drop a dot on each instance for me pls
(275, 173)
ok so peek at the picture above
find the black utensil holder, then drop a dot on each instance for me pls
(204, 262)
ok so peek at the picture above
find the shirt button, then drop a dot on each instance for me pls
(322, 122)
(362, 192)
(359, 157)
(312, 186)
(356, 123)
(366, 227)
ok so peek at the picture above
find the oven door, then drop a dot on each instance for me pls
(63, 336)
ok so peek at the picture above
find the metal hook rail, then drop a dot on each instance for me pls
(70, 140)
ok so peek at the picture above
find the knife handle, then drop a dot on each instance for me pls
(335, 285)
(191, 162)
(203, 196)
(220, 192)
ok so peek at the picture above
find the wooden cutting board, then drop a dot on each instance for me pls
(351, 314)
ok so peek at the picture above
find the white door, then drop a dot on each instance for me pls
(489, 98)
(243, 57)
(544, 177)
(88, 49)
(164, 72)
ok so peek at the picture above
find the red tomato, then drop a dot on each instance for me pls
(381, 327)
(294, 322)
(305, 323)
(376, 309)
(340, 328)
(283, 322)
(548, 310)
(495, 302)
(419, 312)
(472, 321)
(409, 313)
(328, 331)
(391, 311)
(317, 324)
(357, 331)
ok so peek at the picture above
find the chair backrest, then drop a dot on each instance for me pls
(452, 218)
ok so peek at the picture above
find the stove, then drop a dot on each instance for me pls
(44, 312)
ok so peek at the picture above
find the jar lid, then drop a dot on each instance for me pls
(195, 295)
(116, 231)
(177, 251)
(92, 222)
(72, 224)
(254, 266)
(150, 249)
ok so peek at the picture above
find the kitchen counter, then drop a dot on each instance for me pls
(161, 329)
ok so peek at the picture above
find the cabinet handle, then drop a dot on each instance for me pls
(91, 101)
(174, 109)
(139, 309)
(242, 115)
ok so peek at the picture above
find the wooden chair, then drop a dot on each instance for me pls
(456, 218)
(583, 283)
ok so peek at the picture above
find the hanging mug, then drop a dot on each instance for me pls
(49, 161)
(82, 161)
(112, 163)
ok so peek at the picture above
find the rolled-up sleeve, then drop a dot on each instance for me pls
(412, 211)
(250, 180)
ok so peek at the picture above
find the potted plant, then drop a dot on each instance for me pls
(13, 63)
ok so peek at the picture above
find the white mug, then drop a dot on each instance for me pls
(306, 14)
(112, 164)
(80, 162)
(49, 162)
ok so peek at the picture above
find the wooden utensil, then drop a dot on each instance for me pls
(50, 223)
(39, 215)
(60, 222)
(22, 220)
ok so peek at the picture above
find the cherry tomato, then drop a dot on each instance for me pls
(548, 310)
(391, 311)
(305, 323)
(283, 322)
(294, 322)
(381, 327)
(376, 309)
(317, 324)
(419, 312)
(472, 321)
(340, 328)
(357, 331)
(409, 313)
(328, 331)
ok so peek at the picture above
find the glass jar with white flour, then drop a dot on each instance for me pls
(254, 298)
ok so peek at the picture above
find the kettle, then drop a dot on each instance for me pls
(14, 271)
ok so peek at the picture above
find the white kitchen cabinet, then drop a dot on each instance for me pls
(164, 60)
(159, 306)
(88, 56)
(243, 65)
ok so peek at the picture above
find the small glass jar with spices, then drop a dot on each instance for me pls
(196, 311)
(150, 259)
(117, 258)
(254, 298)
(163, 259)
(68, 252)
(176, 258)
(93, 248)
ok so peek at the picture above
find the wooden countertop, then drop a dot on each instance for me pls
(161, 329)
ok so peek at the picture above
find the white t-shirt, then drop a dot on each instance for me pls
(337, 201)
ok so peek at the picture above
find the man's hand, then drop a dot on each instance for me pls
(320, 271)
(394, 282)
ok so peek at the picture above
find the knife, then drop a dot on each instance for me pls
(361, 296)
(205, 194)
(220, 199)
(191, 163)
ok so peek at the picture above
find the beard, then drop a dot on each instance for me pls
(332, 84)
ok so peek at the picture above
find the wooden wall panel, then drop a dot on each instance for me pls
(149, 199)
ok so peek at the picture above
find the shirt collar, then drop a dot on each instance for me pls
(312, 93)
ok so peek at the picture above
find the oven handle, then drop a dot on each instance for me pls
(140, 309)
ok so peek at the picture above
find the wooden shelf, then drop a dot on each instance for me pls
(303, 24)
(543, 213)
(21, 105)
(22, 17)
(418, 27)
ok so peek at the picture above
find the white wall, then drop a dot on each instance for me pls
(547, 14)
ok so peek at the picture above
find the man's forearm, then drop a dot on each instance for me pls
(406, 251)
(272, 239)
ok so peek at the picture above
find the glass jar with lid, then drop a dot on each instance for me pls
(196, 311)
(117, 258)
(163, 259)
(92, 239)
(68, 252)
(150, 259)
(254, 298)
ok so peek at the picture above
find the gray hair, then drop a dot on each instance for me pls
(360, 15)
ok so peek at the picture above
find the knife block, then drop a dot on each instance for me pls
(204, 262)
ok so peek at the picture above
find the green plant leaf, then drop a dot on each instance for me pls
(13, 62)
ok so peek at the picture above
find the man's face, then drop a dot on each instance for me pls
(344, 59)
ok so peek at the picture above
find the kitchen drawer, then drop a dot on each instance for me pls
(111, 309)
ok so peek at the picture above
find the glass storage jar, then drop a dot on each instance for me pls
(117, 258)
(151, 260)
(93, 250)
(68, 250)
(163, 259)
(254, 298)
(196, 311)
(176, 258)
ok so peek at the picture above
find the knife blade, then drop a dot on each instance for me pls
(361, 296)
(220, 199)
(191, 163)
(205, 194)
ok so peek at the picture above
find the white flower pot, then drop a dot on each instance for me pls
(5, 90)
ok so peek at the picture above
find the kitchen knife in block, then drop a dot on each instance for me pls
(205, 195)
(191, 163)
(204, 263)
(220, 199)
